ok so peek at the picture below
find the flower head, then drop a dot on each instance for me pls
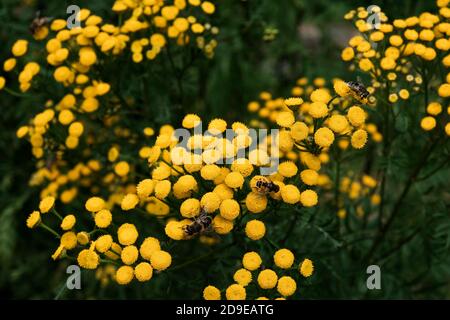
(285, 119)
(95, 204)
(190, 121)
(255, 229)
(235, 292)
(229, 209)
(286, 286)
(211, 293)
(161, 260)
(149, 246)
(283, 258)
(88, 259)
(33, 219)
(324, 137)
(359, 139)
(306, 268)
(46, 204)
(293, 103)
(341, 88)
(309, 177)
(267, 279)
(129, 202)
(242, 277)
(143, 271)
(290, 194)
(127, 234)
(190, 208)
(124, 275)
(103, 218)
(308, 198)
(129, 254)
(251, 261)
(356, 116)
(103, 243)
(69, 240)
(428, 123)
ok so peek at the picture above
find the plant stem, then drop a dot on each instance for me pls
(386, 152)
(57, 214)
(400, 245)
(43, 225)
(61, 291)
(108, 261)
(337, 182)
(432, 172)
(291, 227)
(272, 243)
(14, 93)
(331, 100)
(396, 209)
(199, 258)
(170, 165)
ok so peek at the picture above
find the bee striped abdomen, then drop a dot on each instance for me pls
(199, 225)
(358, 90)
(266, 186)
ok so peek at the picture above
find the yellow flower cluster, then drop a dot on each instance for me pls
(353, 193)
(180, 21)
(73, 55)
(197, 179)
(179, 184)
(401, 56)
(266, 278)
(100, 245)
(312, 120)
(105, 274)
(210, 187)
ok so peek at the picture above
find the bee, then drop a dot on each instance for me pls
(359, 91)
(264, 186)
(38, 23)
(200, 224)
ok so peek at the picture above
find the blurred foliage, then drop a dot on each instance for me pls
(247, 61)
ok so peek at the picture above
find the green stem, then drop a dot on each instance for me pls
(396, 209)
(429, 174)
(170, 165)
(108, 261)
(331, 100)
(57, 214)
(97, 230)
(291, 227)
(337, 182)
(199, 258)
(425, 84)
(14, 93)
(61, 291)
(386, 152)
(272, 243)
(43, 225)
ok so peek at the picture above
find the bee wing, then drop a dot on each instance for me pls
(358, 78)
